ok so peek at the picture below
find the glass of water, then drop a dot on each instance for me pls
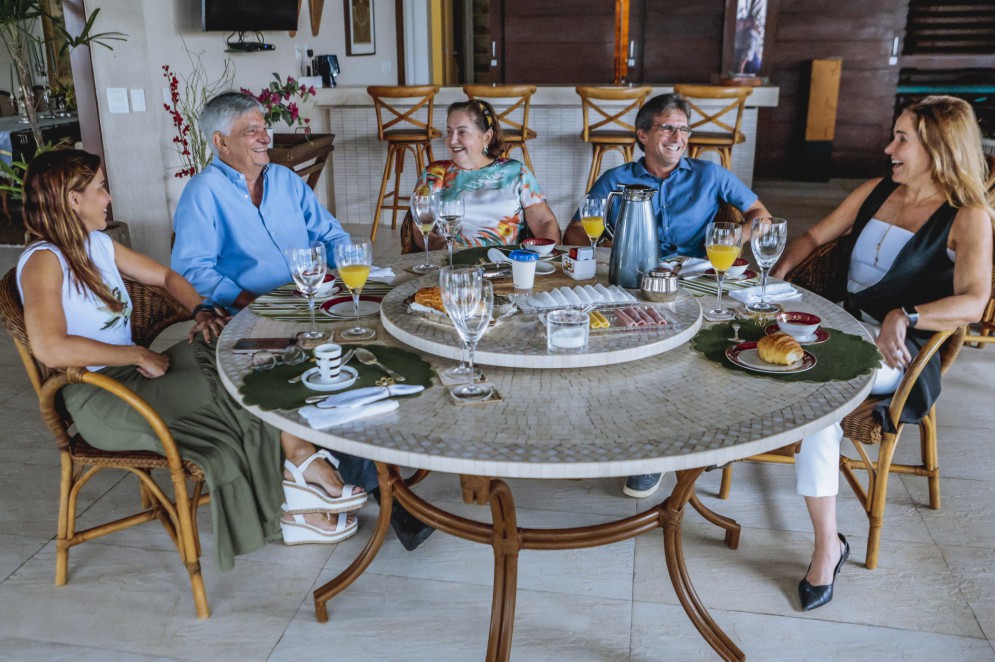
(768, 237)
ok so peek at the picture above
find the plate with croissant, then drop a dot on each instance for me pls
(777, 353)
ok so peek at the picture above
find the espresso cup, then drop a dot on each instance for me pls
(328, 356)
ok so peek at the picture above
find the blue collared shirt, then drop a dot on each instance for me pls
(686, 202)
(225, 244)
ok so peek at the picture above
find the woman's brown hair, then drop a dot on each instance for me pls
(483, 116)
(48, 216)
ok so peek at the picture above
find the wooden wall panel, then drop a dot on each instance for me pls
(559, 41)
(858, 31)
(680, 43)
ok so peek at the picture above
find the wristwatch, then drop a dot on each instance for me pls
(911, 315)
(205, 308)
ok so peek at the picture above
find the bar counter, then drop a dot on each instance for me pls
(561, 159)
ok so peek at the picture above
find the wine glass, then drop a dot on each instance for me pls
(308, 267)
(592, 217)
(424, 209)
(722, 243)
(353, 262)
(451, 221)
(459, 371)
(768, 236)
(469, 301)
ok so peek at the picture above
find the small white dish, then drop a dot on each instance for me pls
(347, 377)
(545, 268)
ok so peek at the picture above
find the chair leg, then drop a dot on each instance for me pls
(726, 154)
(398, 171)
(878, 497)
(595, 166)
(383, 189)
(931, 457)
(66, 507)
(726, 486)
(525, 156)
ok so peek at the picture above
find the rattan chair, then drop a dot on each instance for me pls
(611, 131)
(860, 426)
(405, 129)
(154, 310)
(711, 129)
(514, 124)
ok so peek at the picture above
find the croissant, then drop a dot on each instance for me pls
(779, 349)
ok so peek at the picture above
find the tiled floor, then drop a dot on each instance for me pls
(931, 598)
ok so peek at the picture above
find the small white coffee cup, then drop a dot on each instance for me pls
(329, 359)
(523, 269)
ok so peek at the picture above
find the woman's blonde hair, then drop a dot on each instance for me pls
(948, 130)
(48, 216)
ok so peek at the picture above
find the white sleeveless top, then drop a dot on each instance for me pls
(86, 314)
(863, 272)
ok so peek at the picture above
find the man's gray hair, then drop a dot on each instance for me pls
(656, 106)
(220, 113)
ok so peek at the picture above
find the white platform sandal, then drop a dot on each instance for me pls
(299, 532)
(304, 497)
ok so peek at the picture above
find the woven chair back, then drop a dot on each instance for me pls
(610, 116)
(394, 119)
(725, 121)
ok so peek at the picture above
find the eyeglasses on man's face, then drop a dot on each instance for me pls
(667, 129)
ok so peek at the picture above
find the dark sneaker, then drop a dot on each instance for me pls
(642, 486)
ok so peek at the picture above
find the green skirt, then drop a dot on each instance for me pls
(241, 456)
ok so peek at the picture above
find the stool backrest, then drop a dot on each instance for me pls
(612, 116)
(695, 94)
(391, 116)
(514, 116)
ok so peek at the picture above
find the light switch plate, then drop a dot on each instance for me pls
(138, 100)
(117, 99)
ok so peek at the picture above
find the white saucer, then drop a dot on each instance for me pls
(805, 337)
(544, 269)
(347, 377)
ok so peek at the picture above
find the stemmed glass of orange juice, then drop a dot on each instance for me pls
(723, 242)
(353, 262)
(592, 217)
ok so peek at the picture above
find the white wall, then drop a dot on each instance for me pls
(140, 160)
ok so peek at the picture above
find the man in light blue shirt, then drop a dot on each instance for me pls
(689, 190)
(238, 217)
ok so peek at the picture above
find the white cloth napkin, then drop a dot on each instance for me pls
(775, 292)
(364, 396)
(693, 266)
(381, 274)
(321, 419)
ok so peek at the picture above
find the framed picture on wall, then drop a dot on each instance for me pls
(748, 22)
(360, 37)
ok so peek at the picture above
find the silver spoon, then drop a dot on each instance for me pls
(366, 357)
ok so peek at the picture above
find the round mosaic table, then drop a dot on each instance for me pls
(675, 411)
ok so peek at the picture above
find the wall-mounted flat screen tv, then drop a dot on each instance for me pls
(249, 15)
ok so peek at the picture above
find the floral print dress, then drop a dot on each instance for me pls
(495, 198)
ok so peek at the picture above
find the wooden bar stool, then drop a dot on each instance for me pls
(515, 132)
(723, 135)
(404, 131)
(620, 135)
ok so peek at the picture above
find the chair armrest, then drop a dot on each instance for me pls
(936, 342)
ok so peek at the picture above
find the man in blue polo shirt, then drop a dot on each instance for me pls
(689, 190)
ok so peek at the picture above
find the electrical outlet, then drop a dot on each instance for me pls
(138, 100)
(117, 100)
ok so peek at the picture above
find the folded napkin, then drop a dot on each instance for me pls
(364, 396)
(381, 275)
(692, 266)
(321, 419)
(775, 292)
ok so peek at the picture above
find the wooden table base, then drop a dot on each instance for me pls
(507, 540)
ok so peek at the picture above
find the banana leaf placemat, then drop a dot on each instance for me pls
(270, 390)
(478, 255)
(842, 357)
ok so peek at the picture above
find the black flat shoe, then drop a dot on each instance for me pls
(813, 597)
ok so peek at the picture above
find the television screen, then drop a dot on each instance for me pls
(250, 15)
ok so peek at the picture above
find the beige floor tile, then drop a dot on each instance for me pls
(763, 574)
(974, 567)
(16, 550)
(964, 452)
(141, 601)
(600, 571)
(26, 650)
(445, 621)
(966, 517)
(662, 632)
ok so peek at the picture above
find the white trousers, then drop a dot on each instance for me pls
(817, 464)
